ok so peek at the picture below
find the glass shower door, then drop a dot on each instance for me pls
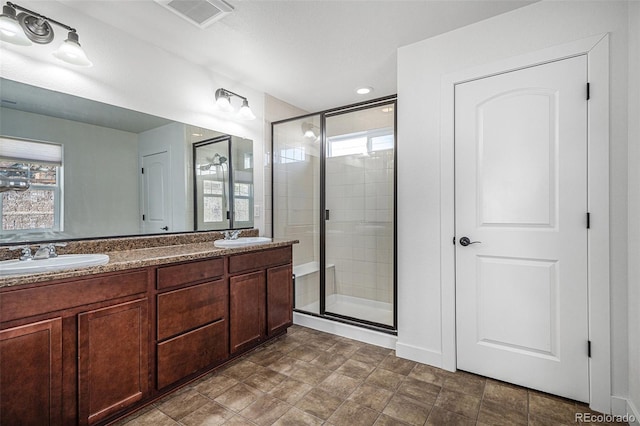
(211, 189)
(296, 203)
(359, 205)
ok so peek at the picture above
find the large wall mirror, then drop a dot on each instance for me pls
(120, 172)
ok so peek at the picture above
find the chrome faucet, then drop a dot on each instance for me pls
(26, 252)
(231, 235)
(47, 251)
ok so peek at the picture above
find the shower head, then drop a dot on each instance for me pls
(218, 159)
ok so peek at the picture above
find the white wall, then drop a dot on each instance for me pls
(100, 172)
(421, 67)
(133, 74)
(634, 208)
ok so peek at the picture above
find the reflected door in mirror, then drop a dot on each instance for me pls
(156, 213)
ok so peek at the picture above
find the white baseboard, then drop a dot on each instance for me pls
(624, 407)
(418, 354)
(635, 412)
(346, 330)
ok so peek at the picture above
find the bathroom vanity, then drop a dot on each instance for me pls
(90, 345)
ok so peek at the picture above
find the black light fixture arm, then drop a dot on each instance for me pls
(38, 15)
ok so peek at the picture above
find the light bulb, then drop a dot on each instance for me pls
(223, 100)
(245, 112)
(10, 30)
(71, 52)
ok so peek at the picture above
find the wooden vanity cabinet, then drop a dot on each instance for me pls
(261, 301)
(192, 320)
(75, 351)
(113, 359)
(247, 302)
(279, 299)
(90, 349)
(31, 374)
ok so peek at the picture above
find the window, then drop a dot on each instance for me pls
(242, 203)
(361, 143)
(292, 155)
(213, 192)
(30, 186)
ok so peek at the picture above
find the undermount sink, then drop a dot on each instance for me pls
(241, 242)
(65, 261)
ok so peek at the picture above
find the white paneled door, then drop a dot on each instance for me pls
(521, 202)
(156, 195)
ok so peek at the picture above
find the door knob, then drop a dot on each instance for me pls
(166, 228)
(465, 241)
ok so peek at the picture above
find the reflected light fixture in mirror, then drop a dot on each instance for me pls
(307, 130)
(30, 26)
(223, 101)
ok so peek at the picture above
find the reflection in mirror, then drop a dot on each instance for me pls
(122, 172)
(223, 183)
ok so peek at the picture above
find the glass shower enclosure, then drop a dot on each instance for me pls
(334, 190)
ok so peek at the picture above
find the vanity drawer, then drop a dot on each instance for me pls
(259, 260)
(184, 273)
(28, 302)
(184, 355)
(191, 307)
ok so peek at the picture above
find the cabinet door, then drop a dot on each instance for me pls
(113, 359)
(279, 299)
(31, 374)
(247, 310)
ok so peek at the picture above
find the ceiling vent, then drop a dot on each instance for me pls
(200, 13)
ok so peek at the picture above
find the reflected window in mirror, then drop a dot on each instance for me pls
(31, 187)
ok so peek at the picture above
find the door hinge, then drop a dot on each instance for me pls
(588, 91)
(589, 348)
(454, 240)
(143, 170)
(327, 214)
(142, 217)
(588, 220)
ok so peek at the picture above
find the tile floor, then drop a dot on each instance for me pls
(307, 377)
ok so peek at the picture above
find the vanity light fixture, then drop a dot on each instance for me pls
(223, 101)
(29, 26)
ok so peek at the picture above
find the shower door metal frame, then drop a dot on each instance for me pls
(229, 208)
(388, 100)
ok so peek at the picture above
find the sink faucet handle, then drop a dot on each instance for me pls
(235, 234)
(26, 252)
(52, 248)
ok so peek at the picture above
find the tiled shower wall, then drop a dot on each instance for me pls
(359, 241)
(296, 194)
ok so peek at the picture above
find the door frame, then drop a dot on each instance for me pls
(598, 287)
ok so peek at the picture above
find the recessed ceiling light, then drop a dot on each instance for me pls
(364, 90)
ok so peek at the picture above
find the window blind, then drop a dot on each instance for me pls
(21, 150)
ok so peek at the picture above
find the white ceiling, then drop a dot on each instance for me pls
(312, 54)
